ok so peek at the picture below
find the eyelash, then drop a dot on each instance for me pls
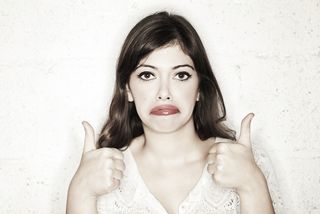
(185, 74)
(143, 74)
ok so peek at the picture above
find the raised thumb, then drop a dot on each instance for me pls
(245, 131)
(89, 140)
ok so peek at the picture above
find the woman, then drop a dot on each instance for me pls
(164, 148)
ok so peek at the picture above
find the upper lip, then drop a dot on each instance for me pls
(164, 107)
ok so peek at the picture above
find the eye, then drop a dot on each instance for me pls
(146, 75)
(182, 76)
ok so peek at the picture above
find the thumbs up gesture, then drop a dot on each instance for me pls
(232, 163)
(100, 170)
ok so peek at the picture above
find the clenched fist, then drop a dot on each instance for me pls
(231, 163)
(99, 172)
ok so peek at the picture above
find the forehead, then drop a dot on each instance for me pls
(167, 56)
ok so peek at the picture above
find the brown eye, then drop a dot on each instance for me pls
(182, 76)
(146, 75)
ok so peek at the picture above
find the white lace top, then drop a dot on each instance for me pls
(133, 196)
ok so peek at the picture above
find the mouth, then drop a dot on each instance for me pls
(164, 110)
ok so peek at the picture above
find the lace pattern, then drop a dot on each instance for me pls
(264, 163)
(133, 196)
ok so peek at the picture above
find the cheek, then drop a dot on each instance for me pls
(143, 96)
(188, 92)
(137, 89)
(142, 92)
(186, 97)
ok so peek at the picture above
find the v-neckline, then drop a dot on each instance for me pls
(192, 192)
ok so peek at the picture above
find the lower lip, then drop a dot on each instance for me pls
(165, 112)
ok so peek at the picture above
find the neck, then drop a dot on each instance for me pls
(178, 146)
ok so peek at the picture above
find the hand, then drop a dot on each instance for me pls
(100, 170)
(232, 164)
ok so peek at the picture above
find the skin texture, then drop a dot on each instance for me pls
(232, 165)
(157, 81)
(99, 173)
(170, 147)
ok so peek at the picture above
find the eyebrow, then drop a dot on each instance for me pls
(175, 67)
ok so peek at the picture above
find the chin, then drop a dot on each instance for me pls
(163, 130)
(166, 126)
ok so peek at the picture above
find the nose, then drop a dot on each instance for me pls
(164, 91)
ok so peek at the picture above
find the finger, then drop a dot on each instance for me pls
(89, 140)
(219, 167)
(115, 183)
(244, 137)
(211, 168)
(112, 183)
(213, 148)
(111, 163)
(117, 174)
(119, 165)
(211, 159)
(117, 154)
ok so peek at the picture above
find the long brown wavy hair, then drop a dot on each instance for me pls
(152, 32)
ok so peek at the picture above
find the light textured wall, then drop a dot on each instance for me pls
(57, 61)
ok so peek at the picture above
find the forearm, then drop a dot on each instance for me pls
(256, 199)
(78, 203)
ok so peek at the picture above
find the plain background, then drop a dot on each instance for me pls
(57, 66)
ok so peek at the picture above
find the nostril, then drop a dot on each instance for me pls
(167, 97)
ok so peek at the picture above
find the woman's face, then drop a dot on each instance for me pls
(164, 88)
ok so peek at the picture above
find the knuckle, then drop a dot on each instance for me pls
(111, 184)
(121, 165)
(117, 153)
(115, 150)
(217, 177)
(210, 168)
(210, 159)
(106, 151)
(219, 157)
(109, 162)
(223, 147)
